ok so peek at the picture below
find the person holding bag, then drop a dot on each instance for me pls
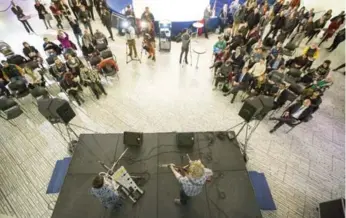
(43, 14)
(18, 11)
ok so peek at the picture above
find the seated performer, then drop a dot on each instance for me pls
(108, 62)
(241, 82)
(93, 80)
(192, 182)
(104, 189)
(294, 115)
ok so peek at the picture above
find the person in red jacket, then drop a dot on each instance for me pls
(332, 28)
(108, 62)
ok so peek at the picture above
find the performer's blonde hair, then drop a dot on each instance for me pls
(196, 169)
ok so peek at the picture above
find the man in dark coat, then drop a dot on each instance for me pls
(277, 24)
(21, 17)
(339, 38)
(253, 19)
(106, 18)
(294, 115)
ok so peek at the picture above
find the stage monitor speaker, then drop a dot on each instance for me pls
(251, 108)
(267, 103)
(186, 139)
(56, 109)
(133, 138)
(333, 208)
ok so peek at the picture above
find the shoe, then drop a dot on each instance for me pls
(149, 56)
(186, 62)
(232, 102)
(272, 118)
(154, 59)
(226, 94)
(177, 201)
(179, 62)
(272, 130)
(105, 93)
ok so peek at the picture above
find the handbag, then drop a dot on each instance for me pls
(48, 17)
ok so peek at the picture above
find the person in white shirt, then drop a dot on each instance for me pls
(130, 34)
(294, 115)
(259, 68)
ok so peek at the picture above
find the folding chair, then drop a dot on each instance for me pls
(9, 109)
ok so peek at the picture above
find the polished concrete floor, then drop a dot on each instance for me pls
(303, 167)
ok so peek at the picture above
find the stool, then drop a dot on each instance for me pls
(198, 50)
(197, 25)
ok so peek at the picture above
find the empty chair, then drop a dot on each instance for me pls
(101, 47)
(289, 49)
(94, 60)
(9, 109)
(39, 92)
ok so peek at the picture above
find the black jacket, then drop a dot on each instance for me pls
(290, 24)
(237, 61)
(75, 27)
(28, 50)
(315, 104)
(340, 36)
(106, 19)
(253, 19)
(276, 76)
(295, 107)
(84, 16)
(52, 46)
(245, 81)
(18, 11)
(278, 22)
(41, 11)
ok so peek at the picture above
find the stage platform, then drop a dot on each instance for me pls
(217, 153)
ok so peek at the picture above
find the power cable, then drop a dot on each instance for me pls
(6, 8)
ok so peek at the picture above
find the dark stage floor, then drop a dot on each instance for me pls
(222, 156)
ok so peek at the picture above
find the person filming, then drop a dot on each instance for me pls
(130, 34)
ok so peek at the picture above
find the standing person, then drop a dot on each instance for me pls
(89, 5)
(289, 25)
(332, 28)
(63, 38)
(192, 182)
(253, 19)
(147, 15)
(185, 46)
(238, 18)
(328, 15)
(98, 8)
(223, 18)
(234, 6)
(264, 21)
(277, 23)
(206, 17)
(105, 190)
(106, 18)
(57, 13)
(21, 17)
(339, 38)
(43, 14)
(84, 17)
(74, 5)
(60, 4)
(317, 26)
(76, 31)
(130, 34)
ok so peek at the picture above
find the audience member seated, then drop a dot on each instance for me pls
(58, 70)
(298, 62)
(71, 87)
(100, 38)
(240, 82)
(3, 83)
(222, 74)
(12, 72)
(219, 46)
(237, 40)
(30, 51)
(256, 56)
(51, 48)
(323, 70)
(280, 96)
(74, 64)
(316, 101)
(312, 53)
(108, 63)
(91, 78)
(321, 84)
(259, 86)
(277, 76)
(259, 68)
(294, 115)
(237, 58)
(276, 63)
(275, 51)
(33, 77)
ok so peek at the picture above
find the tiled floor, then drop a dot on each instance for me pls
(303, 167)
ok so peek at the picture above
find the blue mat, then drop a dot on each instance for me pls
(58, 176)
(262, 192)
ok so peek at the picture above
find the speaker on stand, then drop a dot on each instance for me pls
(254, 110)
(58, 111)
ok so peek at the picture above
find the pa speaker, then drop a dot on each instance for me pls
(333, 208)
(56, 109)
(267, 103)
(133, 138)
(186, 139)
(251, 108)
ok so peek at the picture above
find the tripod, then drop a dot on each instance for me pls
(248, 133)
(70, 132)
(129, 58)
